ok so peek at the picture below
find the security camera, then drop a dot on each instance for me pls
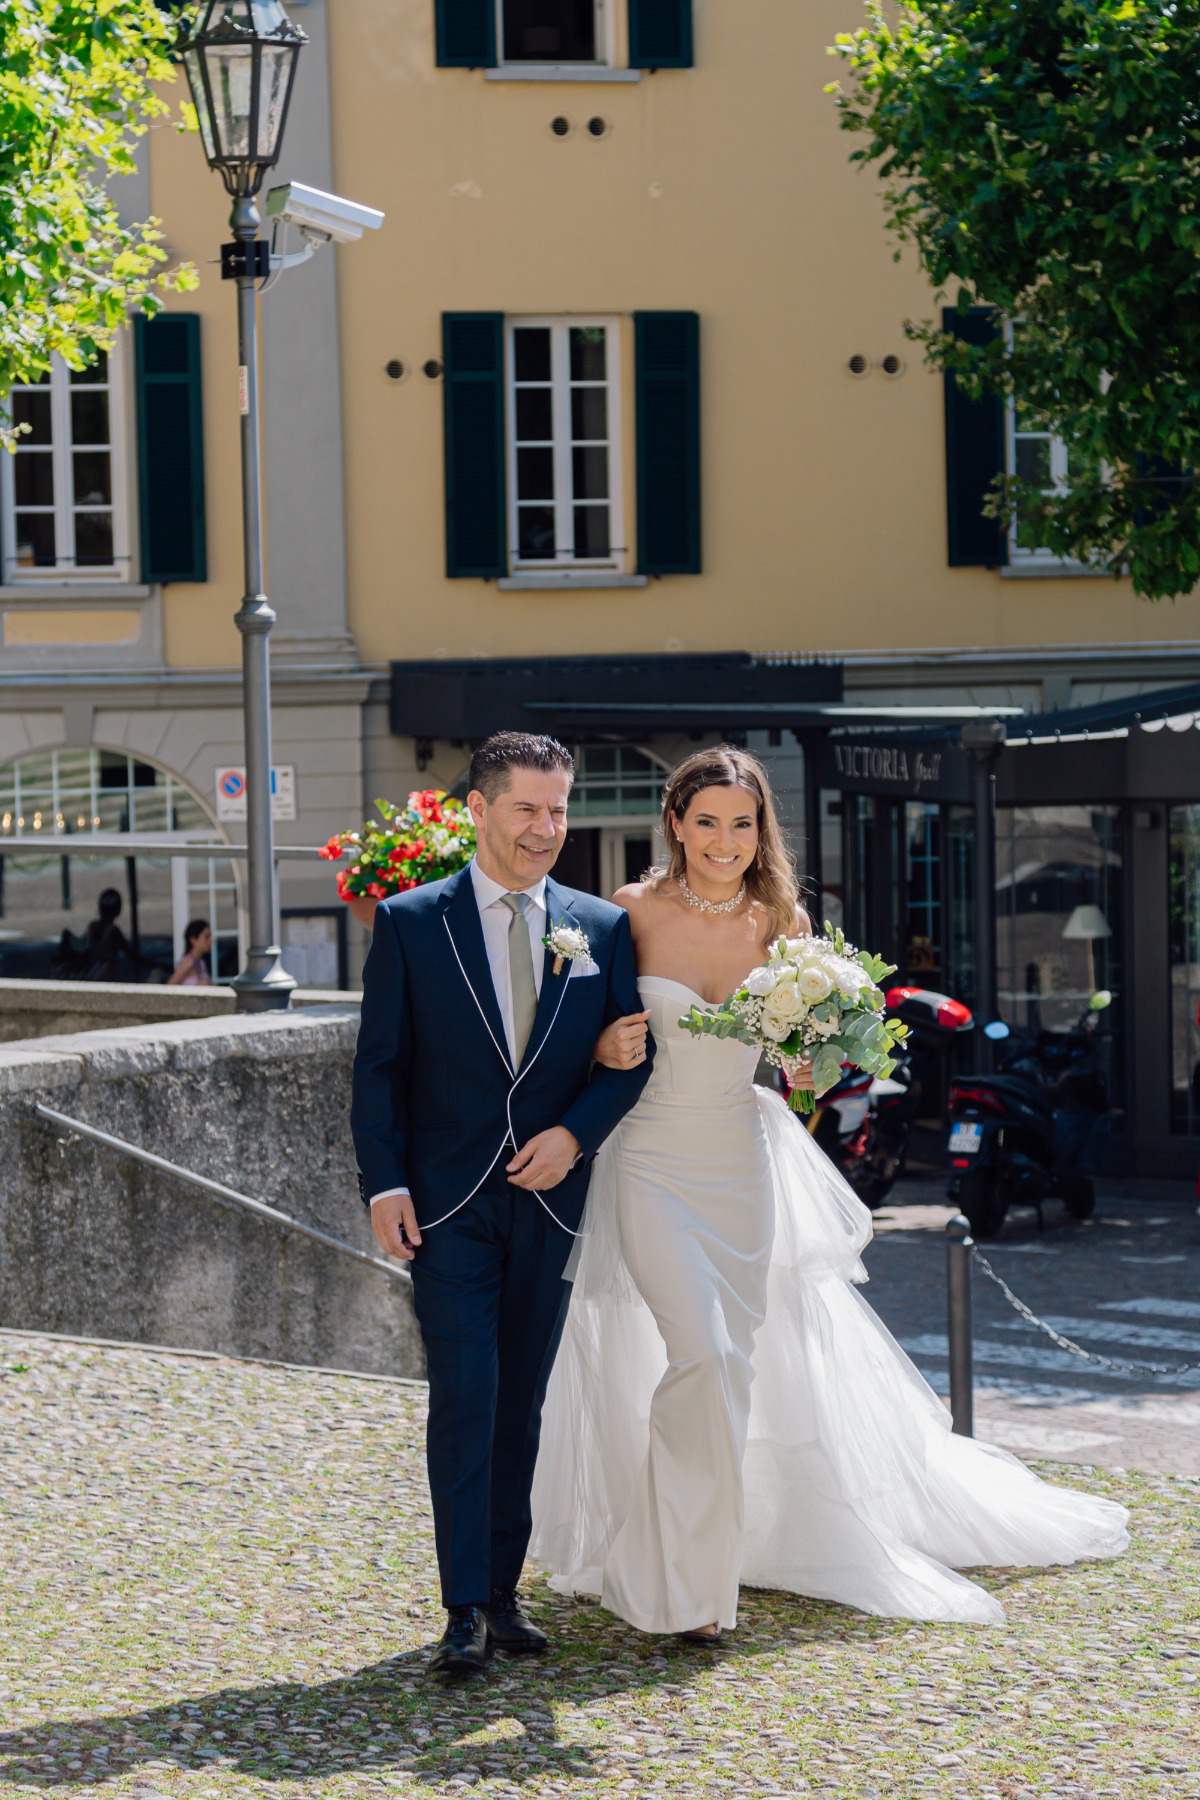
(323, 217)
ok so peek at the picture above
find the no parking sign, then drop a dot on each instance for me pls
(231, 793)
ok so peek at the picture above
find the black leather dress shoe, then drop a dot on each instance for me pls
(464, 1646)
(509, 1628)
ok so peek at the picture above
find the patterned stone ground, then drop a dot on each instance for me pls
(217, 1583)
(1125, 1283)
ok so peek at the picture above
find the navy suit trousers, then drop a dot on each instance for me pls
(490, 1301)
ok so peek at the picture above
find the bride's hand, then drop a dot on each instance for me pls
(622, 1045)
(800, 1078)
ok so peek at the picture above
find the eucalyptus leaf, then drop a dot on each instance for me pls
(827, 1066)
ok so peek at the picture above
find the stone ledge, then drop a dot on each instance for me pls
(69, 1059)
(33, 1011)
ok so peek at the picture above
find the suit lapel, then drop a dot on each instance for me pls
(461, 912)
(559, 905)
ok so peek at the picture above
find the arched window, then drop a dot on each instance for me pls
(51, 878)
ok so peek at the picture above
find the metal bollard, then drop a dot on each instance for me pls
(960, 1249)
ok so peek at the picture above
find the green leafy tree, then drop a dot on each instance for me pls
(1043, 158)
(78, 86)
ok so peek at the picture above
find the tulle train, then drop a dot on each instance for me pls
(855, 1488)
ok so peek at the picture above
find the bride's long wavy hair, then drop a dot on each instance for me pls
(771, 877)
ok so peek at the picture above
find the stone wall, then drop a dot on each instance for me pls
(34, 1009)
(94, 1245)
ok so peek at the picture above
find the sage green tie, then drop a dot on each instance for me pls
(520, 973)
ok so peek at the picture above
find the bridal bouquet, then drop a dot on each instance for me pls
(815, 1000)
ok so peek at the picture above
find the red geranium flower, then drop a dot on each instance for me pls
(393, 852)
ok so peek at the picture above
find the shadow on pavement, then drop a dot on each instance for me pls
(394, 1716)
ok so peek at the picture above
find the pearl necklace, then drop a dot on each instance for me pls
(711, 906)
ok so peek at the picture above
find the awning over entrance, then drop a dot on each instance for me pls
(466, 699)
(1139, 747)
(469, 698)
(1178, 707)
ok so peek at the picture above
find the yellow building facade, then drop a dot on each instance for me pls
(616, 412)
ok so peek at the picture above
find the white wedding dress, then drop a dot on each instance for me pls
(726, 1407)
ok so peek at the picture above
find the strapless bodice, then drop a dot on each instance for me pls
(691, 1070)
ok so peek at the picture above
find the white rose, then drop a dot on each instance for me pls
(852, 980)
(762, 980)
(814, 985)
(783, 1008)
(775, 1029)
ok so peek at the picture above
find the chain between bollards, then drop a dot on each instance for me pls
(960, 1252)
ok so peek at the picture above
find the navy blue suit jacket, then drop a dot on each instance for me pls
(435, 1098)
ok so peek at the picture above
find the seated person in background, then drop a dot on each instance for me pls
(94, 956)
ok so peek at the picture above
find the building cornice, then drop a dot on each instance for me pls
(292, 684)
(1173, 660)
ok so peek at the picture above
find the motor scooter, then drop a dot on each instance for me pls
(1034, 1129)
(864, 1123)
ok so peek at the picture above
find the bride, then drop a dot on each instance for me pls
(725, 1406)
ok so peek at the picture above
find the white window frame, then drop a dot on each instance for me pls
(1059, 483)
(1037, 561)
(605, 40)
(64, 569)
(566, 564)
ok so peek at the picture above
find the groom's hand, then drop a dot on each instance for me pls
(394, 1222)
(544, 1160)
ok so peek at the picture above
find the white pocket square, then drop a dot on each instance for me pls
(580, 967)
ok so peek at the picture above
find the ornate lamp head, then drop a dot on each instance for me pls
(240, 59)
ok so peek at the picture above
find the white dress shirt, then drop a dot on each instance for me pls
(495, 918)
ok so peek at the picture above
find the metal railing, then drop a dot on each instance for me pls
(104, 845)
(961, 1256)
(218, 1191)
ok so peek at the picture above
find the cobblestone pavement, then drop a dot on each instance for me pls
(1126, 1284)
(217, 1584)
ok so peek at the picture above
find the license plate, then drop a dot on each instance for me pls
(966, 1139)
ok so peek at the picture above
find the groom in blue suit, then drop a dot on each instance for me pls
(476, 1114)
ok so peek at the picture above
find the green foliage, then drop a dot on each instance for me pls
(76, 89)
(719, 1022)
(1044, 158)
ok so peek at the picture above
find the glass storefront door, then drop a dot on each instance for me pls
(1184, 940)
(897, 876)
(614, 835)
(1060, 904)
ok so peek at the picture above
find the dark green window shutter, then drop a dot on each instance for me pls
(473, 365)
(1163, 485)
(170, 432)
(466, 34)
(974, 454)
(660, 34)
(667, 387)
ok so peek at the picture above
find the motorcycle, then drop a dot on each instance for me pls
(1034, 1129)
(864, 1123)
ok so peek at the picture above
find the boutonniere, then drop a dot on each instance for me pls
(568, 944)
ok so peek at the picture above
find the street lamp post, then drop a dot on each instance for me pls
(984, 739)
(240, 59)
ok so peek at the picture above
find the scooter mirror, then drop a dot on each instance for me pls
(995, 1029)
(1100, 1000)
